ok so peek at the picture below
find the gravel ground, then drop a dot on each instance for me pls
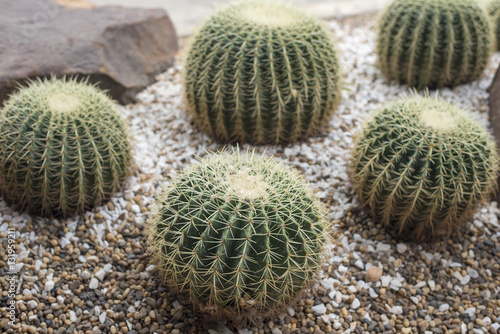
(91, 274)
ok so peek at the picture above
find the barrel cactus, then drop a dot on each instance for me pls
(422, 165)
(238, 234)
(63, 147)
(494, 11)
(261, 71)
(434, 43)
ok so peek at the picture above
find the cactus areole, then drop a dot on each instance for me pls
(262, 72)
(63, 147)
(238, 234)
(422, 165)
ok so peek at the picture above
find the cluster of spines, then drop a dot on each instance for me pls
(434, 43)
(61, 162)
(259, 83)
(242, 257)
(423, 181)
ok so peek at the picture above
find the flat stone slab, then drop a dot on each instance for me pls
(122, 49)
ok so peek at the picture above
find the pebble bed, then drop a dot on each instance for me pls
(92, 273)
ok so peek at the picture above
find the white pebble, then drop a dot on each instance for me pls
(85, 275)
(401, 248)
(470, 311)
(355, 304)
(319, 309)
(72, 316)
(487, 321)
(381, 247)
(102, 317)
(49, 286)
(100, 274)
(444, 307)
(291, 311)
(94, 283)
(472, 273)
(136, 208)
(397, 310)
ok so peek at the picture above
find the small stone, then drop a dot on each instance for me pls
(355, 304)
(245, 331)
(100, 274)
(472, 273)
(359, 264)
(49, 286)
(276, 331)
(85, 275)
(102, 317)
(401, 248)
(72, 316)
(94, 283)
(291, 311)
(444, 307)
(487, 321)
(470, 311)
(32, 304)
(319, 309)
(136, 208)
(397, 310)
(373, 274)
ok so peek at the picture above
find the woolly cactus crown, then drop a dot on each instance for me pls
(434, 43)
(238, 234)
(261, 71)
(63, 147)
(422, 165)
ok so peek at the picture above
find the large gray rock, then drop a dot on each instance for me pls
(121, 48)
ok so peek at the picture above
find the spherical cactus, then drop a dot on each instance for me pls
(261, 71)
(422, 165)
(238, 234)
(63, 147)
(494, 11)
(434, 43)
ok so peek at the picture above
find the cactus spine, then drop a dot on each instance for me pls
(422, 165)
(434, 43)
(238, 234)
(63, 147)
(263, 72)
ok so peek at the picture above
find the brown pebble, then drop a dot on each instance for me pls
(373, 274)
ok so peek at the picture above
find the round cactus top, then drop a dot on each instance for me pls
(262, 13)
(249, 178)
(66, 96)
(273, 14)
(63, 102)
(431, 117)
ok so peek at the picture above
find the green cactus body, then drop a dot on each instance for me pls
(263, 72)
(63, 147)
(434, 43)
(238, 234)
(422, 165)
(493, 8)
